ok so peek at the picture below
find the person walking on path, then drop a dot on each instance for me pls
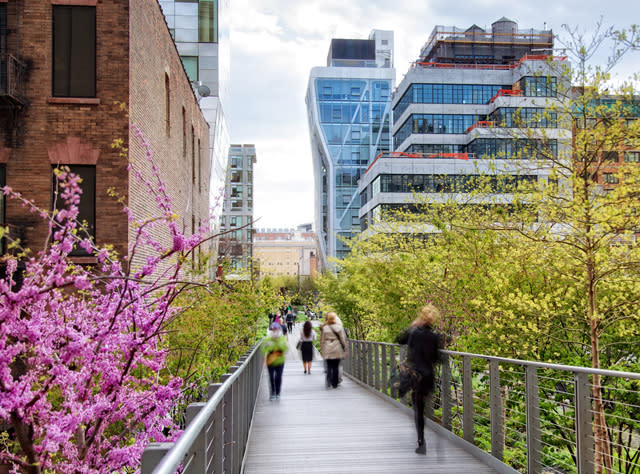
(290, 319)
(333, 342)
(423, 352)
(306, 348)
(274, 348)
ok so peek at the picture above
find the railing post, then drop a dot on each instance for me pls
(369, 363)
(376, 359)
(467, 400)
(199, 447)
(534, 455)
(392, 366)
(584, 433)
(236, 410)
(445, 391)
(227, 428)
(495, 407)
(218, 432)
(385, 374)
(152, 455)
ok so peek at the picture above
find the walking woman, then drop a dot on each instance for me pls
(333, 342)
(423, 352)
(274, 348)
(307, 337)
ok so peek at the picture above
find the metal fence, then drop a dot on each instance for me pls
(216, 434)
(533, 416)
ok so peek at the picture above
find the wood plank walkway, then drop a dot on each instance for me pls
(312, 429)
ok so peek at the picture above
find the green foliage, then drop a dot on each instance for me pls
(218, 324)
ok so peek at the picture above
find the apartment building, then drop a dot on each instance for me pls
(65, 68)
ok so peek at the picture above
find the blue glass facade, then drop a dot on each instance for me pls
(355, 122)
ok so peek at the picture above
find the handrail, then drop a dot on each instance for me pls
(519, 405)
(172, 459)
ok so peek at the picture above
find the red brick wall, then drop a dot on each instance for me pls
(49, 128)
(153, 54)
(42, 125)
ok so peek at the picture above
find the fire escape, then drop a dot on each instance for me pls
(12, 80)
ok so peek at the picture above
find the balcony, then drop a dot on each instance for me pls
(12, 81)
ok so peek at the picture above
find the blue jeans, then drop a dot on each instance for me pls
(275, 378)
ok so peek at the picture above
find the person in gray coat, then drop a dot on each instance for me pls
(333, 342)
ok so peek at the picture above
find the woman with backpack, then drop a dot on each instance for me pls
(333, 342)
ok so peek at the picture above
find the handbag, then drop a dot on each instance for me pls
(404, 377)
(299, 344)
(272, 356)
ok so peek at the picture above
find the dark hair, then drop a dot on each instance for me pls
(306, 329)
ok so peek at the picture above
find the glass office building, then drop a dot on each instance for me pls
(349, 110)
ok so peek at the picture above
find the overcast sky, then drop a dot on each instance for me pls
(275, 43)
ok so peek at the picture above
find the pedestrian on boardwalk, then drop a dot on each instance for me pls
(282, 321)
(423, 352)
(274, 348)
(290, 319)
(333, 342)
(307, 337)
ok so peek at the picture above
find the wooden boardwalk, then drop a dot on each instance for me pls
(312, 429)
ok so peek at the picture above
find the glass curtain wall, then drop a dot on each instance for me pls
(354, 118)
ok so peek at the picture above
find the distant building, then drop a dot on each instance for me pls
(349, 113)
(61, 109)
(237, 214)
(279, 252)
(460, 112)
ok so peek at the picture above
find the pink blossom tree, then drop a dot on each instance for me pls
(82, 381)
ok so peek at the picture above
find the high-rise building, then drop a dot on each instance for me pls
(349, 113)
(202, 40)
(237, 213)
(475, 102)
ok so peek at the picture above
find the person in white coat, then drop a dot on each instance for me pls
(333, 342)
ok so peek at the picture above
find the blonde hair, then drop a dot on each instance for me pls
(428, 315)
(332, 317)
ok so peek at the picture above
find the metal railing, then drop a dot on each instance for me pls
(216, 435)
(535, 417)
(12, 77)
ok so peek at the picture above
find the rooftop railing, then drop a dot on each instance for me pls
(535, 417)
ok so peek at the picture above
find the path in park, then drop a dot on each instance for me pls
(312, 429)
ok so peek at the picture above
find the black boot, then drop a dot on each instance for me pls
(422, 448)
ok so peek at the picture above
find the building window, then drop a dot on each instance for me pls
(199, 167)
(167, 104)
(208, 21)
(632, 156)
(3, 182)
(184, 131)
(610, 156)
(190, 64)
(74, 51)
(87, 206)
(609, 178)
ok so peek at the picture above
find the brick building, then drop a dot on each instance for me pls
(281, 252)
(65, 66)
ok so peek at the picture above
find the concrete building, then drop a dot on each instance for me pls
(237, 212)
(474, 103)
(62, 109)
(349, 114)
(281, 252)
(200, 29)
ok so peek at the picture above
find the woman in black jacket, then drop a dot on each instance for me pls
(423, 352)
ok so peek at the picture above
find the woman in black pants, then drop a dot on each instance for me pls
(423, 352)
